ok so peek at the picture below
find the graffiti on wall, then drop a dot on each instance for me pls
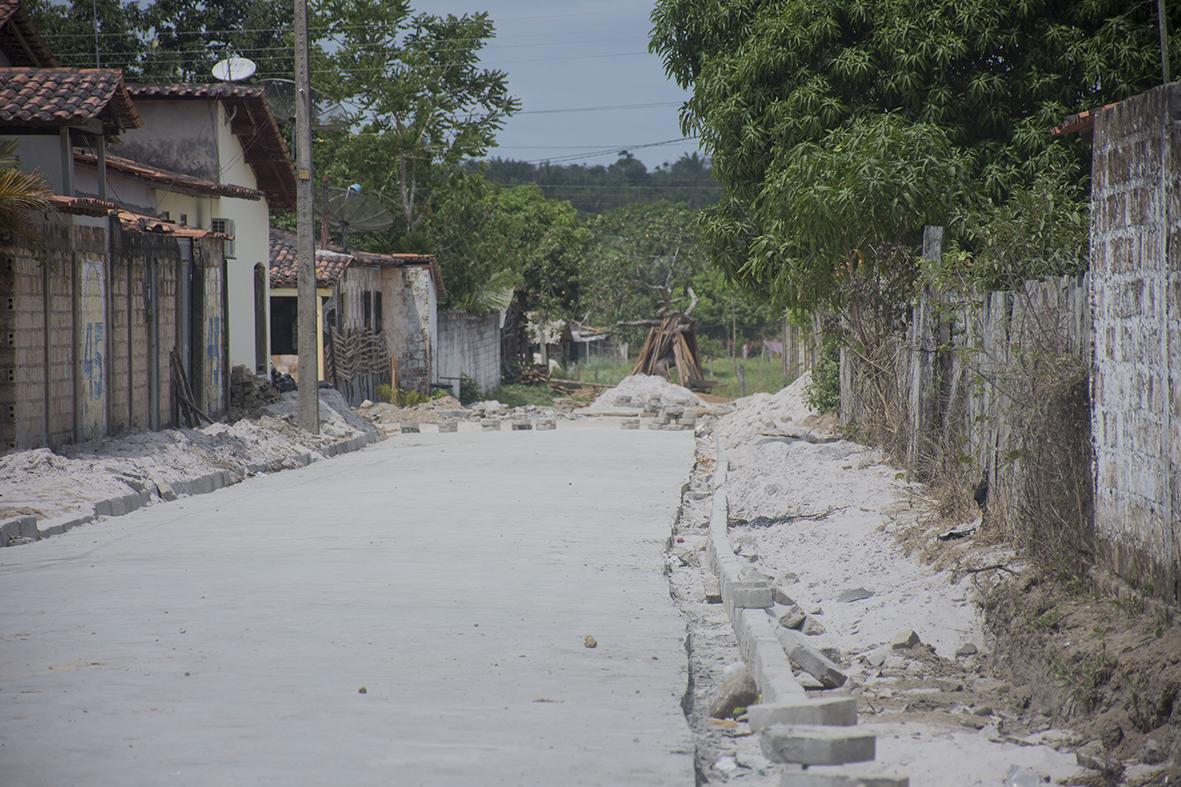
(92, 335)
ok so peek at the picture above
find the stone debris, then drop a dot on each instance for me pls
(793, 618)
(813, 627)
(905, 639)
(967, 649)
(855, 594)
(738, 690)
(779, 596)
(647, 391)
(589, 642)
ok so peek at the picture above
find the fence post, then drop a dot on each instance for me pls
(922, 399)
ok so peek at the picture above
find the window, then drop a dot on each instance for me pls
(225, 227)
(366, 309)
(377, 312)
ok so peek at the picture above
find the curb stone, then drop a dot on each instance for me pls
(121, 505)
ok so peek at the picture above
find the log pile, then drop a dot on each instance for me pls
(671, 341)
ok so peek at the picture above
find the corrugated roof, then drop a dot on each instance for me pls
(173, 181)
(264, 148)
(66, 96)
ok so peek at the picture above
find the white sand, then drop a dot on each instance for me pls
(638, 389)
(54, 486)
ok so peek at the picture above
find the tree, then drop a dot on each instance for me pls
(772, 77)
(420, 100)
(187, 38)
(69, 30)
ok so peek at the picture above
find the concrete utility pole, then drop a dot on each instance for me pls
(309, 391)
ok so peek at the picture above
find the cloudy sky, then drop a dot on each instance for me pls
(573, 54)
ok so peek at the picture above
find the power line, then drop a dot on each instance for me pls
(324, 29)
(579, 156)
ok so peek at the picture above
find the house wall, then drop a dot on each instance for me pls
(1136, 384)
(41, 153)
(252, 247)
(468, 345)
(177, 135)
(127, 191)
(215, 360)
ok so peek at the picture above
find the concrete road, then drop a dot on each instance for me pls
(226, 639)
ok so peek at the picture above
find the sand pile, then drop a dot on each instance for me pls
(635, 391)
(435, 411)
(67, 483)
(767, 414)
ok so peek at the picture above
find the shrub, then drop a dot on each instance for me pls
(469, 390)
(823, 392)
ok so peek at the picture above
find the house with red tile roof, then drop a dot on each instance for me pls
(384, 301)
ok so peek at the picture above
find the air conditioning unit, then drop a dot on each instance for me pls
(225, 227)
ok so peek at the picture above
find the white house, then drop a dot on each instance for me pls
(225, 134)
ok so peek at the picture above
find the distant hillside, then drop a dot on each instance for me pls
(598, 188)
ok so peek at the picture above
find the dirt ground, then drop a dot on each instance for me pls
(1016, 676)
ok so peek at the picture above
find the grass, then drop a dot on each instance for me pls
(762, 376)
(520, 395)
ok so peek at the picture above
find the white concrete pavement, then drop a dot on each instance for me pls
(223, 639)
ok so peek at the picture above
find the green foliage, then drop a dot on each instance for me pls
(823, 392)
(420, 99)
(385, 393)
(783, 89)
(1040, 232)
(469, 390)
(517, 395)
(405, 398)
(595, 188)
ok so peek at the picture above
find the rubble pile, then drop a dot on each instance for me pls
(249, 393)
(644, 392)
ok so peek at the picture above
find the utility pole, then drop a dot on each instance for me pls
(1163, 24)
(309, 383)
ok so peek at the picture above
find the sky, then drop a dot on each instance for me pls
(573, 54)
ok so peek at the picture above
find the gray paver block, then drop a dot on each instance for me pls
(713, 590)
(522, 426)
(545, 425)
(490, 426)
(824, 711)
(810, 659)
(410, 429)
(449, 427)
(18, 527)
(813, 779)
(631, 424)
(816, 745)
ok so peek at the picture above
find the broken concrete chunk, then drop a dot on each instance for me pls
(713, 590)
(833, 654)
(793, 618)
(780, 597)
(738, 690)
(810, 660)
(855, 594)
(875, 660)
(967, 649)
(905, 639)
(813, 627)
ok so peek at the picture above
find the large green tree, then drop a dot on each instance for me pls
(785, 89)
(421, 102)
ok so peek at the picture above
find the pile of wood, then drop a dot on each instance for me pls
(671, 342)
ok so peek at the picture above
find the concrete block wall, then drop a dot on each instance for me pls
(468, 345)
(411, 313)
(74, 331)
(1136, 293)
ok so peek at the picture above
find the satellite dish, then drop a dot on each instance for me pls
(280, 94)
(349, 210)
(233, 69)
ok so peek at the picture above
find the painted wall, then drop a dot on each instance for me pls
(176, 135)
(41, 153)
(468, 345)
(127, 191)
(252, 224)
(411, 325)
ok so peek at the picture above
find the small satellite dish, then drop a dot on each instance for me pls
(234, 69)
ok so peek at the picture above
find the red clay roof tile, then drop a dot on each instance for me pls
(65, 96)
